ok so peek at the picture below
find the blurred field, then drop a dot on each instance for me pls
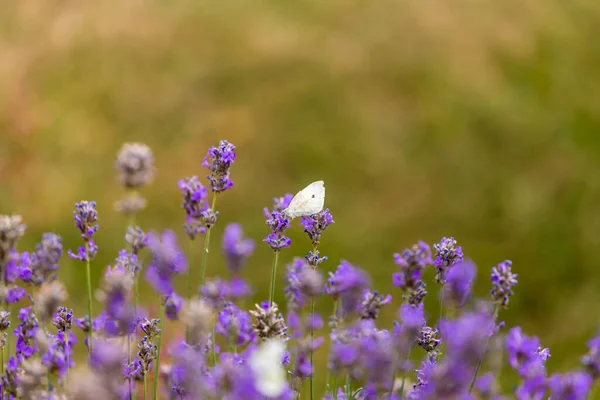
(477, 119)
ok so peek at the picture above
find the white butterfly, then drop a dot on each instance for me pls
(308, 201)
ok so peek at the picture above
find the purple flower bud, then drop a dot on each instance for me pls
(525, 354)
(591, 361)
(571, 386)
(278, 224)
(459, 283)
(236, 248)
(314, 225)
(173, 305)
(235, 325)
(198, 214)
(502, 281)
(347, 284)
(44, 261)
(372, 303)
(302, 283)
(167, 260)
(447, 253)
(86, 216)
(218, 160)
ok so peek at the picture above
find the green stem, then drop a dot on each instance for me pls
(487, 342)
(206, 245)
(403, 376)
(273, 274)
(146, 373)
(441, 307)
(2, 388)
(129, 222)
(347, 386)
(189, 289)
(89, 288)
(214, 339)
(157, 366)
(312, 335)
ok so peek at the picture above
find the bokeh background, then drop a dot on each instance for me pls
(476, 119)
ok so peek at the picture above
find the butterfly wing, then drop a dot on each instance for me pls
(308, 201)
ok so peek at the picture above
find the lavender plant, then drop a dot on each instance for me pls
(266, 352)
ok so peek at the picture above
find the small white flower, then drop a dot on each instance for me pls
(269, 372)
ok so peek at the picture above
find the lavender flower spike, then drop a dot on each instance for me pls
(315, 225)
(447, 253)
(218, 160)
(459, 283)
(11, 230)
(236, 248)
(502, 281)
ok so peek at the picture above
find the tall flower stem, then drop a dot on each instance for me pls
(190, 285)
(157, 366)
(145, 385)
(487, 342)
(403, 375)
(332, 388)
(441, 307)
(89, 289)
(206, 244)
(273, 274)
(312, 334)
(128, 223)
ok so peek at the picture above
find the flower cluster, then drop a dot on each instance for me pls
(267, 352)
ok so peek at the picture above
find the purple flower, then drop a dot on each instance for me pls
(411, 262)
(11, 378)
(44, 261)
(120, 314)
(58, 356)
(570, 386)
(186, 376)
(502, 281)
(237, 288)
(173, 305)
(83, 253)
(194, 196)
(143, 362)
(305, 345)
(466, 338)
(532, 388)
(218, 160)
(447, 253)
(459, 283)
(525, 354)
(167, 260)
(236, 248)
(347, 284)
(214, 292)
(279, 204)
(86, 216)
(235, 325)
(278, 224)
(302, 283)
(428, 340)
(63, 319)
(591, 361)
(367, 354)
(25, 333)
(447, 380)
(106, 360)
(372, 303)
(315, 224)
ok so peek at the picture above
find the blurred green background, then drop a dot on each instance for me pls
(476, 119)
